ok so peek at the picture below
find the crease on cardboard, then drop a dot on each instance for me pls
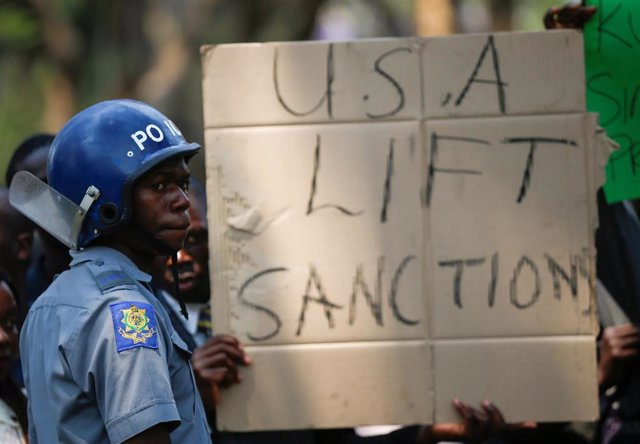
(247, 221)
(253, 221)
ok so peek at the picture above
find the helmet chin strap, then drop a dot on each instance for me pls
(161, 248)
(174, 270)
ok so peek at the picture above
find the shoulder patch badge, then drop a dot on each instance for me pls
(134, 324)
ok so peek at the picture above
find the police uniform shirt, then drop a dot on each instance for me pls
(190, 325)
(101, 360)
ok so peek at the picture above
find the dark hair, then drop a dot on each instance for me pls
(197, 192)
(5, 277)
(24, 150)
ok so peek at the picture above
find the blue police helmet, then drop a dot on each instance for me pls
(109, 145)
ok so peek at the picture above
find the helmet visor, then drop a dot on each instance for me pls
(45, 207)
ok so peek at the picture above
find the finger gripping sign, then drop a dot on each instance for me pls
(397, 223)
(612, 46)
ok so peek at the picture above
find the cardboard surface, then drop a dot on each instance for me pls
(274, 83)
(297, 282)
(375, 267)
(524, 255)
(503, 74)
(322, 386)
(530, 371)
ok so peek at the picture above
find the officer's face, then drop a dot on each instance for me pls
(8, 328)
(161, 202)
(193, 271)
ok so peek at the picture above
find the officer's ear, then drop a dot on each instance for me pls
(25, 245)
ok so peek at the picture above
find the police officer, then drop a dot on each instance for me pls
(100, 358)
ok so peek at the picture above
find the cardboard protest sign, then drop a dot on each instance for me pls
(612, 47)
(394, 222)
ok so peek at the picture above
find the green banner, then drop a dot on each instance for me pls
(612, 57)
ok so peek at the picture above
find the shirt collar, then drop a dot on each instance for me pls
(109, 255)
(193, 308)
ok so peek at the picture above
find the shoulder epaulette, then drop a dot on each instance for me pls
(109, 279)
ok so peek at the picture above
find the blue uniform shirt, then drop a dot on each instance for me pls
(101, 361)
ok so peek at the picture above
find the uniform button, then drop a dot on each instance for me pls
(611, 390)
(615, 405)
(99, 263)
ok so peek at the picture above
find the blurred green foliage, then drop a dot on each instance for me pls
(18, 28)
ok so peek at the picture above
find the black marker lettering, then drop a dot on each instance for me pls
(535, 295)
(632, 27)
(327, 305)
(373, 302)
(432, 169)
(393, 292)
(557, 273)
(386, 196)
(261, 308)
(584, 263)
(634, 100)
(459, 265)
(326, 96)
(629, 152)
(533, 144)
(605, 94)
(496, 70)
(446, 99)
(494, 279)
(602, 21)
(624, 153)
(314, 186)
(393, 82)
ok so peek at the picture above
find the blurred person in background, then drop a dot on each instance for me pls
(50, 257)
(13, 404)
(16, 241)
(618, 297)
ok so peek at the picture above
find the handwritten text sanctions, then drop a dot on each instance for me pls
(336, 252)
